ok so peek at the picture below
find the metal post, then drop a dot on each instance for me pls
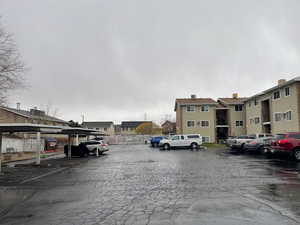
(69, 147)
(97, 151)
(77, 139)
(0, 153)
(38, 153)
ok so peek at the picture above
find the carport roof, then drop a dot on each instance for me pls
(29, 127)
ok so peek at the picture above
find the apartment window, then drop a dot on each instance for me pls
(190, 108)
(204, 108)
(256, 120)
(278, 117)
(190, 123)
(238, 108)
(239, 123)
(205, 139)
(204, 123)
(287, 91)
(249, 104)
(276, 95)
(255, 102)
(287, 115)
(105, 128)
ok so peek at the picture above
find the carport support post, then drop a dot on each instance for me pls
(69, 147)
(0, 153)
(77, 139)
(38, 153)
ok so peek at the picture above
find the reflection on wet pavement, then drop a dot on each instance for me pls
(141, 185)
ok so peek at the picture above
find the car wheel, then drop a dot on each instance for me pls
(262, 150)
(100, 152)
(166, 146)
(155, 145)
(194, 146)
(297, 154)
(242, 150)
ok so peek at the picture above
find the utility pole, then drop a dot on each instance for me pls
(82, 118)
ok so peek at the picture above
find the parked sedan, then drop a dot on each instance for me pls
(257, 145)
(76, 150)
(94, 145)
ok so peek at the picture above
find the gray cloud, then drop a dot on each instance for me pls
(116, 60)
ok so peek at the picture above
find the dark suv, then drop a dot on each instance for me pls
(287, 143)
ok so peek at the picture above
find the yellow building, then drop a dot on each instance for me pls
(274, 111)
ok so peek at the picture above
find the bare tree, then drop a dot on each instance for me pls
(11, 65)
(50, 110)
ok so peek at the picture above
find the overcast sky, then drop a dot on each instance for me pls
(119, 59)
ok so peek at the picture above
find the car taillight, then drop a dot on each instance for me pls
(253, 142)
(284, 143)
(103, 145)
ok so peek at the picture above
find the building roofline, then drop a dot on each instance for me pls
(289, 82)
(46, 117)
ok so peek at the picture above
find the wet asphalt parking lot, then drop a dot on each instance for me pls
(136, 184)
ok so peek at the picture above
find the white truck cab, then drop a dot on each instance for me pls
(192, 141)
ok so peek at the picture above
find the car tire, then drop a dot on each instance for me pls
(155, 145)
(297, 154)
(166, 147)
(194, 146)
(261, 150)
(242, 150)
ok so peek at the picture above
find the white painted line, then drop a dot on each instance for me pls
(43, 175)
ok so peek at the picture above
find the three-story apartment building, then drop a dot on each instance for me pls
(274, 111)
(212, 119)
(196, 115)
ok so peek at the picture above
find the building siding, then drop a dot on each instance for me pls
(237, 116)
(199, 116)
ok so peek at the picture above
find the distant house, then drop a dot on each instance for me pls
(168, 127)
(118, 129)
(129, 127)
(35, 116)
(102, 126)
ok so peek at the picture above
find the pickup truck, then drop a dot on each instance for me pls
(192, 141)
(239, 142)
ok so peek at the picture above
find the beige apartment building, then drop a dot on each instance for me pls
(214, 120)
(274, 111)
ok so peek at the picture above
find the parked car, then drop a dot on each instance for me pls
(288, 143)
(193, 141)
(95, 145)
(76, 150)
(154, 141)
(257, 145)
(239, 142)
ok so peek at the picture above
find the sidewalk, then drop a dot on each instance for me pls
(21, 156)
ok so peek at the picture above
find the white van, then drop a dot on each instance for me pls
(192, 141)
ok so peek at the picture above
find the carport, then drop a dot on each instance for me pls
(27, 128)
(76, 131)
(44, 129)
